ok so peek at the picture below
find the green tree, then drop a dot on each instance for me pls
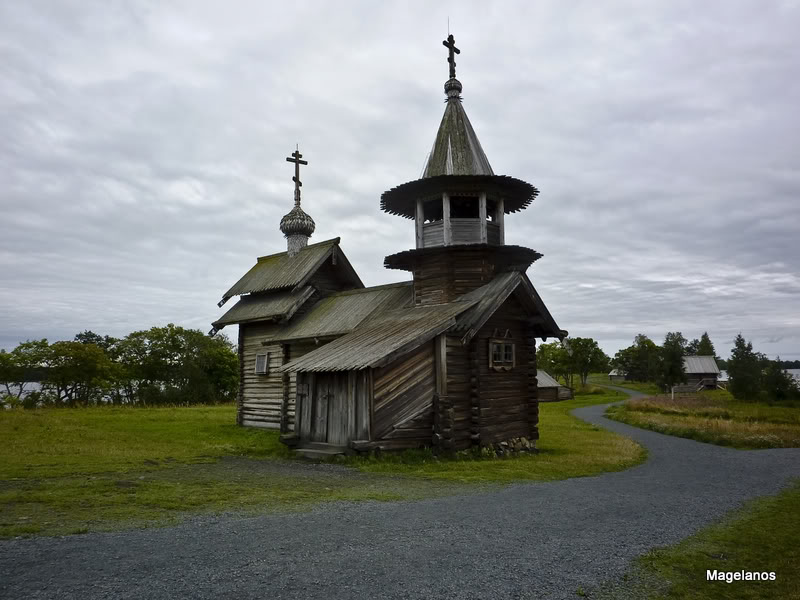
(705, 347)
(673, 370)
(744, 370)
(18, 368)
(585, 356)
(553, 359)
(778, 384)
(692, 347)
(78, 374)
(173, 365)
(641, 361)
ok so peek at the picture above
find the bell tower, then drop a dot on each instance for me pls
(459, 208)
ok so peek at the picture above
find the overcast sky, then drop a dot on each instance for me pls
(143, 151)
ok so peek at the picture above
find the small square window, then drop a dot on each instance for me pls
(262, 364)
(501, 355)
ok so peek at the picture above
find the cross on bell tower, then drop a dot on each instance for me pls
(450, 44)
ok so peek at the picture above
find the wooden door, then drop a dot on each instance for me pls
(329, 418)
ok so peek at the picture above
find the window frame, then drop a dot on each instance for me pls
(502, 345)
(265, 370)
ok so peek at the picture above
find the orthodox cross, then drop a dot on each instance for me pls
(450, 44)
(295, 158)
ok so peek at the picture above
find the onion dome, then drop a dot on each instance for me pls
(297, 222)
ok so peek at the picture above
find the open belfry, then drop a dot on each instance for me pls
(447, 359)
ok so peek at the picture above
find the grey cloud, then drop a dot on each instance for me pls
(143, 152)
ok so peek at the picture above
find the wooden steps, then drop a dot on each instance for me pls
(319, 450)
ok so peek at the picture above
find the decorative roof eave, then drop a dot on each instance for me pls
(401, 200)
(514, 258)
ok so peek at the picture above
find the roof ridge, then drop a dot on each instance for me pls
(332, 242)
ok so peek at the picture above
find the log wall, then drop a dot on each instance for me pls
(504, 395)
(459, 391)
(261, 397)
(445, 276)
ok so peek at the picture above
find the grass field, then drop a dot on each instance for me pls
(76, 470)
(714, 417)
(761, 537)
(639, 386)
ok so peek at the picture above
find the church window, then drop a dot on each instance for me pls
(262, 364)
(501, 355)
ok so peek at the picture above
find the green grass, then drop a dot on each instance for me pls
(567, 447)
(714, 417)
(760, 537)
(639, 386)
(56, 442)
(68, 471)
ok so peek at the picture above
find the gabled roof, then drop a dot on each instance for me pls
(275, 306)
(340, 313)
(490, 297)
(456, 149)
(543, 380)
(281, 271)
(700, 364)
(382, 339)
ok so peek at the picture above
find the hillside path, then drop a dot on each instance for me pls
(535, 540)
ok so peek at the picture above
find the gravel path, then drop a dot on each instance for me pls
(541, 540)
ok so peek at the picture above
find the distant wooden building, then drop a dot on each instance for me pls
(701, 371)
(447, 359)
(550, 390)
(616, 376)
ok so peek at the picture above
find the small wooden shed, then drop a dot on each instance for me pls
(550, 390)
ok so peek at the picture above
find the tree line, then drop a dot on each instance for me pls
(752, 375)
(158, 366)
(573, 356)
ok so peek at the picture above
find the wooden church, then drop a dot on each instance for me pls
(447, 359)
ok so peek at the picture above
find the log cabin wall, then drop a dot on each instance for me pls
(261, 395)
(504, 395)
(458, 391)
(403, 401)
(444, 276)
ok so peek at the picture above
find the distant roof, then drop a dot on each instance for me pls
(340, 313)
(616, 373)
(260, 307)
(700, 364)
(393, 334)
(544, 380)
(281, 271)
(490, 297)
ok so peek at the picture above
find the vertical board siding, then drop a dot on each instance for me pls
(403, 398)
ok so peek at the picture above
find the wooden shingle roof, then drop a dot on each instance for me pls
(382, 339)
(342, 312)
(281, 271)
(275, 306)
